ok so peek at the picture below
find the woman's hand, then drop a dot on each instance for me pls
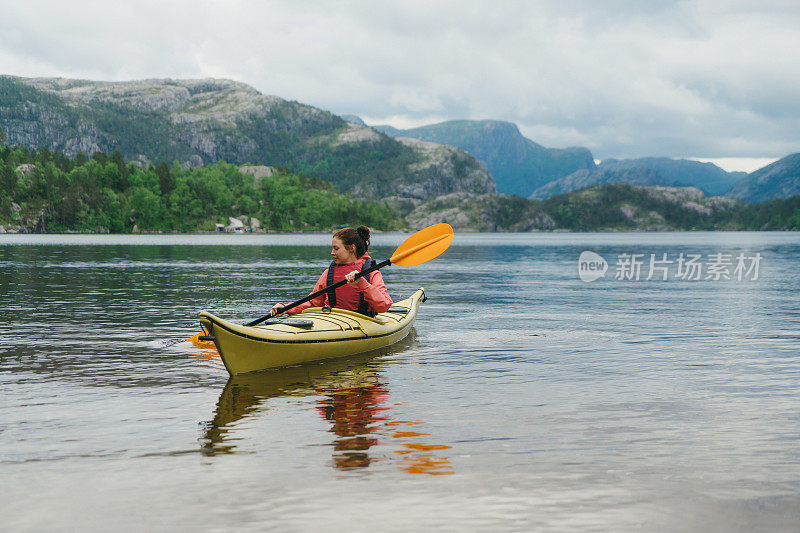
(275, 308)
(351, 278)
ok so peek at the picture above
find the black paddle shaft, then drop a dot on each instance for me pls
(320, 292)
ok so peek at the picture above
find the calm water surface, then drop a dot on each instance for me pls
(525, 399)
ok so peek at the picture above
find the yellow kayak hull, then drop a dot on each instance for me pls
(326, 334)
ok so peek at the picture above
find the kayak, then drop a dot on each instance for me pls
(313, 335)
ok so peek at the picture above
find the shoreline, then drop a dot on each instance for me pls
(404, 230)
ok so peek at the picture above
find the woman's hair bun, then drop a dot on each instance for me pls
(358, 237)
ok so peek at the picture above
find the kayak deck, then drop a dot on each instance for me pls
(312, 335)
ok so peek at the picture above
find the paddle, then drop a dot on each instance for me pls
(419, 248)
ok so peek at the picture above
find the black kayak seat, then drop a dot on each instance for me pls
(305, 324)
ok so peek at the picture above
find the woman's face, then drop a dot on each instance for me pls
(342, 254)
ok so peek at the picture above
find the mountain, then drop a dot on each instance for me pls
(199, 122)
(585, 178)
(355, 119)
(707, 177)
(518, 165)
(780, 179)
(522, 167)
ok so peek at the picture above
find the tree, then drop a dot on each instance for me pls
(100, 157)
(148, 208)
(8, 179)
(117, 159)
(165, 179)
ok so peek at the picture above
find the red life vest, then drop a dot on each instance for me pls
(363, 306)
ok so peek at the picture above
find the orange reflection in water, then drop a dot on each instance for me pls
(416, 458)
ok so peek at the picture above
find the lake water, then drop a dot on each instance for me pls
(525, 398)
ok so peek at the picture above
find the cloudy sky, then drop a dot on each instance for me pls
(715, 80)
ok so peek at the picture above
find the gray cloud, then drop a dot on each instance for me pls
(625, 78)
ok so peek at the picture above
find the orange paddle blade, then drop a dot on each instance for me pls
(423, 246)
(196, 342)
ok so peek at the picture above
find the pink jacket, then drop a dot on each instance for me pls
(347, 296)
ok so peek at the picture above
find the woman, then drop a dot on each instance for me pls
(366, 295)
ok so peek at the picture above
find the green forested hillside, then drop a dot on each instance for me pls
(46, 191)
(625, 206)
(611, 207)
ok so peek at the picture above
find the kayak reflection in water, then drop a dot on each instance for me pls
(352, 397)
(366, 295)
(247, 395)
